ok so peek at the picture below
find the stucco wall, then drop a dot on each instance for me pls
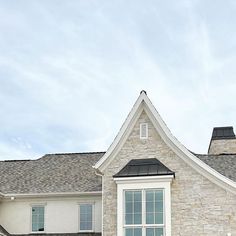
(61, 214)
(199, 207)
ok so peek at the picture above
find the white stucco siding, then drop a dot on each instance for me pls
(61, 214)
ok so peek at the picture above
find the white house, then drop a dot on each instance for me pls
(145, 184)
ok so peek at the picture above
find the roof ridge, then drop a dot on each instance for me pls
(51, 154)
(72, 153)
(16, 160)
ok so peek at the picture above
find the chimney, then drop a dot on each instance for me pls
(223, 141)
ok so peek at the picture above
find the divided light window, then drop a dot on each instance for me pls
(143, 214)
(37, 218)
(86, 217)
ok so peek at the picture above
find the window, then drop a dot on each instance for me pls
(143, 214)
(144, 205)
(37, 218)
(143, 131)
(86, 217)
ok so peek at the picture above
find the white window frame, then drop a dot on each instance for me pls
(140, 130)
(140, 183)
(31, 217)
(93, 215)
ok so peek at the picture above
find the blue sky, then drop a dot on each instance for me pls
(70, 71)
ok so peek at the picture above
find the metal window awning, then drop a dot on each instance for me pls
(144, 167)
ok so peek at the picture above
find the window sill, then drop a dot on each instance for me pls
(86, 231)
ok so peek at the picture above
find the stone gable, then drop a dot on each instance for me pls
(198, 206)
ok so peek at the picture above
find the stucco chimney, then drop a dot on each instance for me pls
(223, 140)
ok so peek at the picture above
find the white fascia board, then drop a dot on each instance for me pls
(45, 195)
(143, 103)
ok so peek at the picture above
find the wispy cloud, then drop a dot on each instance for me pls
(71, 71)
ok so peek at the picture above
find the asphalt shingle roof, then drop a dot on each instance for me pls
(225, 164)
(73, 172)
(52, 173)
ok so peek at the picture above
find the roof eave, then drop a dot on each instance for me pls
(51, 194)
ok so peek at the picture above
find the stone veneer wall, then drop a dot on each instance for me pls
(219, 146)
(199, 207)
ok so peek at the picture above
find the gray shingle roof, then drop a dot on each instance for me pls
(52, 173)
(225, 164)
(73, 172)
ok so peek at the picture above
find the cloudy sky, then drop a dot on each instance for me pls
(70, 71)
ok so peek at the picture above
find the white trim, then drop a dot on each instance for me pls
(144, 179)
(136, 185)
(144, 104)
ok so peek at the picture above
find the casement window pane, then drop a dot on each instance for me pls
(133, 232)
(129, 219)
(41, 210)
(137, 207)
(37, 218)
(149, 207)
(159, 218)
(137, 232)
(148, 220)
(129, 232)
(128, 196)
(154, 207)
(159, 207)
(149, 195)
(133, 207)
(34, 218)
(41, 226)
(34, 227)
(86, 217)
(159, 195)
(41, 218)
(137, 196)
(137, 218)
(129, 207)
(154, 232)
(85, 225)
(150, 232)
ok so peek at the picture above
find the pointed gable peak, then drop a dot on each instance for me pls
(143, 103)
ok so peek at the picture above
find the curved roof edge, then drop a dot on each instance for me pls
(144, 103)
